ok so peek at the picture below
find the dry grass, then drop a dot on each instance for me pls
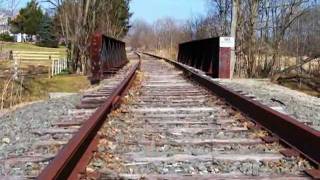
(167, 53)
(301, 87)
(39, 88)
(66, 83)
(4, 64)
(35, 87)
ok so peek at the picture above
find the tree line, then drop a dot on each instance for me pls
(73, 22)
(30, 20)
(79, 19)
(270, 34)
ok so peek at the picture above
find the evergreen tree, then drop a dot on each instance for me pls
(46, 32)
(123, 15)
(28, 19)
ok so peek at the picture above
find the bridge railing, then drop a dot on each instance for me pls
(209, 55)
(106, 55)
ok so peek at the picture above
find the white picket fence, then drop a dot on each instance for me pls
(44, 58)
(58, 65)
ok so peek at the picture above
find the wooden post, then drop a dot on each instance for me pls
(49, 68)
(59, 67)
(15, 68)
(60, 62)
(49, 72)
(10, 55)
(55, 67)
(65, 64)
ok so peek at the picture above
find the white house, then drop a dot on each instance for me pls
(4, 23)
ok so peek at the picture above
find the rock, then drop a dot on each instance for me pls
(17, 126)
(216, 170)
(178, 170)
(59, 95)
(192, 170)
(109, 174)
(90, 170)
(299, 105)
(164, 148)
(5, 140)
(101, 149)
(97, 164)
(202, 168)
(255, 169)
(220, 134)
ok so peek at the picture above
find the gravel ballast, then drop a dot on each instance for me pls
(32, 133)
(18, 127)
(299, 105)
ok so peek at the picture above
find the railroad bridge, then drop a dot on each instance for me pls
(179, 123)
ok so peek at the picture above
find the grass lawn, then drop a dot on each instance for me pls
(62, 83)
(39, 88)
(40, 54)
(24, 65)
(4, 65)
(28, 47)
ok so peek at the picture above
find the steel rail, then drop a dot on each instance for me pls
(67, 161)
(293, 133)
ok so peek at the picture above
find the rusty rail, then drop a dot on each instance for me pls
(295, 134)
(68, 162)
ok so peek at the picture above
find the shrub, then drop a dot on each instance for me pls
(48, 43)
(6, 37)
(47, 34)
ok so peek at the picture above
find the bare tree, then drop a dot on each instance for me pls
(142, 36)
(233, 32)
(163, 36)
(222, 10)
(79, 19)
(10, 5)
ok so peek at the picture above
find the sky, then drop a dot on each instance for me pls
(151, 10)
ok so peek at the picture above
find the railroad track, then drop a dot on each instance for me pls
(170, 127)
(46, 143)
(175, 129)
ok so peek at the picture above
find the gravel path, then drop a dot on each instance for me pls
(16, 130)
(299, 105)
